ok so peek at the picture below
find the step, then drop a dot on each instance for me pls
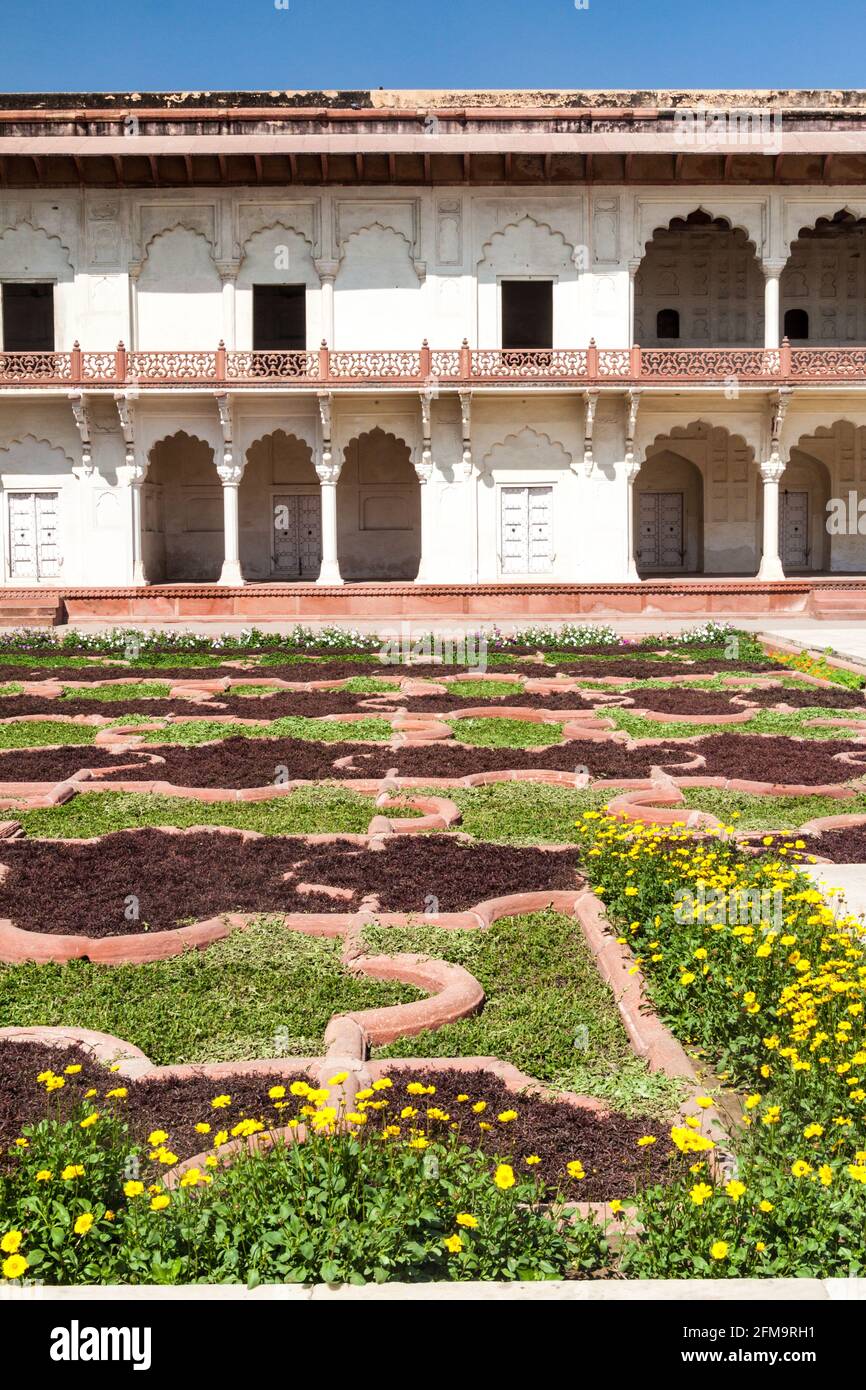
(31, 612)
(842, 603)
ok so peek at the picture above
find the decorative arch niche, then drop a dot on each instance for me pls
(707, 271)
(527, 250)
(377, 291)
(182, 511)
(179, 262)
(378, 509)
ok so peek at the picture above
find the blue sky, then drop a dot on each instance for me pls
(96, 45)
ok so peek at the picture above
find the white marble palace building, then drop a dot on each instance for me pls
(453, 337)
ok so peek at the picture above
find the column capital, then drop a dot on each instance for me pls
(771, 469)
(772, 266)
(326, 269)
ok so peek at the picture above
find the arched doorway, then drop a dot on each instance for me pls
(378, 509)
(280, 510)
(699, 285)
(804, 491)
(182, 512)
(669, 515)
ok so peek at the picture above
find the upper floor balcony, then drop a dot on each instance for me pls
(430, 369)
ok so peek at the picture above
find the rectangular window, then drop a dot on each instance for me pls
(28, 318)
(527, 313)
(279, 318)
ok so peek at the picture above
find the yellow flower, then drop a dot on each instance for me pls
(119, 1093)
(72, 1170)
(89, 1120)
(719, 1250)
(825, 1174)
(157, 1136)
(507, 1116)
(645, 1140)
(83, 1224)
(73, 1069)
(383, 1084)
(616, 1206)
(133, 1189)
(575, 1170)
(159, 1203)
(704, 1102)
(202, 1128)
(453, 1244)
(504, 1176)
(11, 1242)
(336, 1080)
(464, 1219)
(220, 1102)
(44, 1175)
(532, 1160)
(765, 1205)
(14, 1267)
(479, 1107)
(700, 1193)
(276, 1092)
(735, 1189)
(801, 1169)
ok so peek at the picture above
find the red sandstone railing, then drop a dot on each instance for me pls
(431, 367)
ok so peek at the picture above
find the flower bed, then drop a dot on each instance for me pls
(775, 998)
(85, 887)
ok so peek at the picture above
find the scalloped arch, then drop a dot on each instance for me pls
(30, 440)
(682, 432)
(385, 434)
(526, 435)
(41, 231)
(518, 222)
(288, 435)
(276, 225)
(179, 434)
(179, 225)
(708, 212)
(376, 226)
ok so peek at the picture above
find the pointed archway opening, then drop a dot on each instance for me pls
(378, 509)
(699, 284)
(182, 512)
(280, 510)
(669, 516)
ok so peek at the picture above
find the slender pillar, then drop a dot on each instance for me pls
(772, 274)
(327, 275)
(139, 575)
(230, 477)
(330, 569)
(632, 470)
(424, 473)
(228, 274)
(771, 562)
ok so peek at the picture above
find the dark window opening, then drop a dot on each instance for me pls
(527, 314)
(668, 323)
(28, 318)
(796, 323)
(279, 318)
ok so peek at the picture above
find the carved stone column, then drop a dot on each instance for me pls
(228, 273)
(230, 473)
(632, 468)
(327, 270)
(328, 471)
(772, 328)
(132, 474)
(424, 473)
(771, 561)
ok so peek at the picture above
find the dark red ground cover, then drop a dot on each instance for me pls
(776, 758)
(555, 1132)
(82, 887)
(175, 1106)
(56, 764)
(837, 698)
(843, 846)
(244, 762)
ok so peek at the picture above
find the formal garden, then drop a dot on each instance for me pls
(324, 959)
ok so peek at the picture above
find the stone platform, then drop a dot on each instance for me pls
(842, 598)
